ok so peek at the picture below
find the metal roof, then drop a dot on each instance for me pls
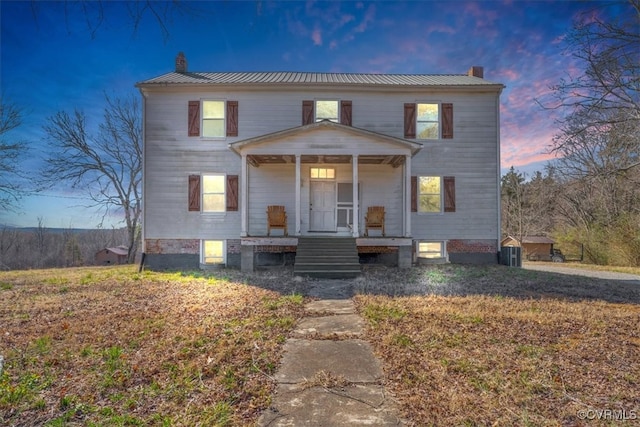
(306, 78)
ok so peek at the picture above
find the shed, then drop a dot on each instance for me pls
(109, 256)
(533, 247)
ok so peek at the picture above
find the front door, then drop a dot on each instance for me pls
(322, 206)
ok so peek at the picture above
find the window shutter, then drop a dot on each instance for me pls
(410, 121)
(194, 118)
(449, 193)
(232, 193)
(345, 113)
(447, 121)
(414, 194)
(232, 118)
(307, 112)
(194, 193)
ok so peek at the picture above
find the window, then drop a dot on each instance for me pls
(430, 249)
(213, 193)
(213, 119)
(327, 110)
(428, 121)
(219, 118)
(209, 192)
(323, 173)
(212, 252)
(429, 194)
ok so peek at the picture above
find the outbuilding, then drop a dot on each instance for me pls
(109, 256)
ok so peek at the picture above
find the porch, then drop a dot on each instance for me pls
(325, 176)
(397, 251)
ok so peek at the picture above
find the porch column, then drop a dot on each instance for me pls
(298, 185)
(407, 196)
(356, 198)
(244, 196)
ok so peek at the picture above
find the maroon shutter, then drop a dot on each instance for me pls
(414, 194)
(194, 118)
(449, 193)
(232, 118)
(307, 112)
(232, 193)
(345, 113)
(447, 121)
(410, 121)
(194, 193)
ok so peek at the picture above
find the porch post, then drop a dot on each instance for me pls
(298, 185)
(407, 197)
(244, 196)
(356, 198)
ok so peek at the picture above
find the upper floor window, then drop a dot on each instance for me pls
(213, 119)
(327, 110)
(428, 121)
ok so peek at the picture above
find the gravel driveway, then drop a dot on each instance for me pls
(566, 269)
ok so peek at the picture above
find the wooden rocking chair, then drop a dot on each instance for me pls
(276, 218)
(374, 219)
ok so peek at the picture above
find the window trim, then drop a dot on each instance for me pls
(224, 118)
(224, 193)
(441, 211)
(443, 249)
(224, 252)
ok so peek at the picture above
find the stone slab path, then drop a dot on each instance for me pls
(328, 376)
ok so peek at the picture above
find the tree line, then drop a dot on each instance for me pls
(591, 193)
(42, 247)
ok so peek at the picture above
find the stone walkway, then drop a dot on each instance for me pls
(328, 376)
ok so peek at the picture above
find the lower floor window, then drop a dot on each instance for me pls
(430, 249)
(213, 251)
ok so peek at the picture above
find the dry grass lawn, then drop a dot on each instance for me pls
(111, 347)
(460, 345)
(485, 346)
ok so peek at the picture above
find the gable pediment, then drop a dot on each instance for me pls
(325, 138)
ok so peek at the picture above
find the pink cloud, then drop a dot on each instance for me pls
(316, 36)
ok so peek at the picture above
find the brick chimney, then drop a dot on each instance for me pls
(181, 63)
(476, 71)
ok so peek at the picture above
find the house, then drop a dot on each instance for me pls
(221, 147)
(533, 247)
(109, 256)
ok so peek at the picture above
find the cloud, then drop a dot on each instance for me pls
(316, 36)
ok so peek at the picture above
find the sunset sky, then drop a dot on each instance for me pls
(55, 57)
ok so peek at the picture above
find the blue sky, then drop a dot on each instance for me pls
(52, 61)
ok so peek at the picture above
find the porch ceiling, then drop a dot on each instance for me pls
(259, 159)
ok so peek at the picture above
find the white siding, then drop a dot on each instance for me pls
(171, 156)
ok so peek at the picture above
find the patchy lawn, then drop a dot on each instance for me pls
(474, 346)
(109, 346)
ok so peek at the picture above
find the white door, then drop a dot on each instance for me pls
(322, 206)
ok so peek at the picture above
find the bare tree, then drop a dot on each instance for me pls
(107, 163)
(97, 14)
(605, 96)
(10, 154)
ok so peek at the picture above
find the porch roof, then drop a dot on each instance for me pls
(335, 148)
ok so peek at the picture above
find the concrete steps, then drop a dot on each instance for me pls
(327, 257)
